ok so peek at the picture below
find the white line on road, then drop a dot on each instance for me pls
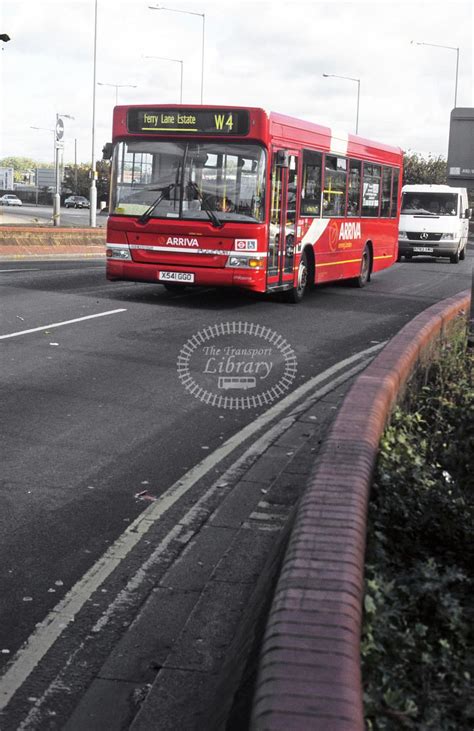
(60, 324)
(19, 270)
(51, 628)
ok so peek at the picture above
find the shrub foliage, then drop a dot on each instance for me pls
(420, 556)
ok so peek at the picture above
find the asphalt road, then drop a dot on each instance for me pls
(26, 215)
(93, 411)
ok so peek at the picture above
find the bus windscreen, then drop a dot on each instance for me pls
(193, 180)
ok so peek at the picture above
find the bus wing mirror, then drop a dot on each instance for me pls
(107, 151)
(282, 158)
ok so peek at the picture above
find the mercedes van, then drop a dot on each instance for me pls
(434, 221)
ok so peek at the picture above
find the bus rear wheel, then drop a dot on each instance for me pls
(296, 294)
(364, 274)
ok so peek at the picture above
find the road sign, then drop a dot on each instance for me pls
(59, 129)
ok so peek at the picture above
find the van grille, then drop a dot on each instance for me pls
(425, 236)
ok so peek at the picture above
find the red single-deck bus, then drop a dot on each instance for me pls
(239, 197)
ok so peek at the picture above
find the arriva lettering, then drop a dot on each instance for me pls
(350, 231)
(181, 241)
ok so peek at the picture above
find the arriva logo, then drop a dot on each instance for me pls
(350, 231)
(181, 241)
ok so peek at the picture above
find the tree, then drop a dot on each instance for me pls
(84, 179)
(417, 169)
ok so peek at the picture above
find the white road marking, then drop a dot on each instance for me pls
(51, 628)
(19, 270)
(60, 324)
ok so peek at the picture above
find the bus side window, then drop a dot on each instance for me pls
(335, 182)
(393, 207)
(386, 192)
(353, 192)
(311, 186)
(371, 190)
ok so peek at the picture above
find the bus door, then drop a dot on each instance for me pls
(282, 228)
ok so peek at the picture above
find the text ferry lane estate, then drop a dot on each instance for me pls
(155, 119)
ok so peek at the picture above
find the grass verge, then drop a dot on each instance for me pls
(418, 617)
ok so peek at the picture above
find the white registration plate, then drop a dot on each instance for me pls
(423, 249)
(176, 277)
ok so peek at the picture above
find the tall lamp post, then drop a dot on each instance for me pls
(349, 78)
(450, 48)
(117, 87)
(93, 188)
(201, 15)
(175, 60)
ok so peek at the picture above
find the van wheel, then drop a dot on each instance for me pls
(296, 294)
(462, 254)
(454, 258)
(364, 274)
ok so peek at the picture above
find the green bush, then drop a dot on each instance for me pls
(420, 554)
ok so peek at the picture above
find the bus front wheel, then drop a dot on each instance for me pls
(296, 294)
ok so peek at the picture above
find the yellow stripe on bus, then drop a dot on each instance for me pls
(333, 263)
(350, 261)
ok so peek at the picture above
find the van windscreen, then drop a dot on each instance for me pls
(426, 204)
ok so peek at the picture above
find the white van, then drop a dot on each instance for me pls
(434, 221)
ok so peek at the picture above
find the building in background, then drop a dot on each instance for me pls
(6, 178)
(460, 169)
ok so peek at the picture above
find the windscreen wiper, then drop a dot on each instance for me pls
(214, 219)
(163, 193)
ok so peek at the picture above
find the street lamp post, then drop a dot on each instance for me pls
(117, 87)
(93, 188)
(201, 15)
(75, 165)
(175, 60)
(450, 48)
(58, 144)
(349, 78)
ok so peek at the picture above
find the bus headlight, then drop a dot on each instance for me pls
(238, 261)
(244, 262)
(118, 252)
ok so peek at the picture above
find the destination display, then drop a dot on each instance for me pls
(192, 121)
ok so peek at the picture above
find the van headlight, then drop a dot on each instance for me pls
(402, 234)
(447, 237)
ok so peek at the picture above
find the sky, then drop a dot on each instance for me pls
(262, 54)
